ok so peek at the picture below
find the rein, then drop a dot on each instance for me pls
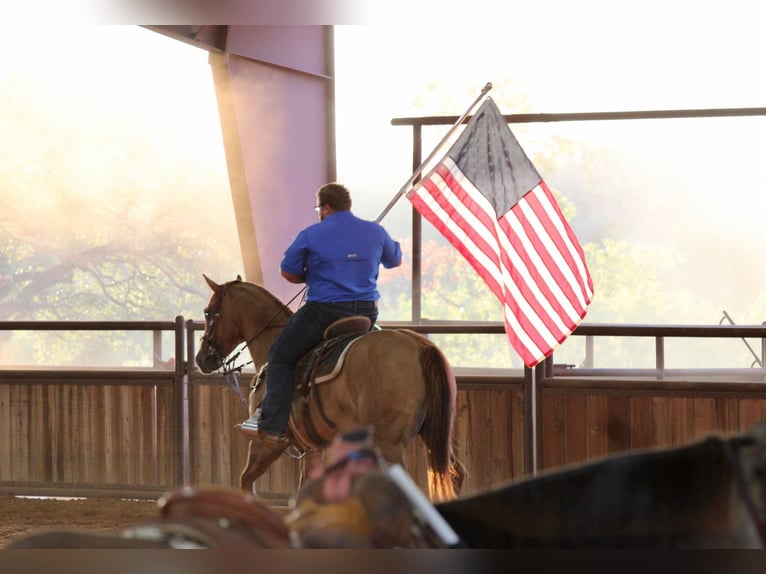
(228, 368)
(228, 360)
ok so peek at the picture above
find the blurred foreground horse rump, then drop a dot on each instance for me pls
(707, 494)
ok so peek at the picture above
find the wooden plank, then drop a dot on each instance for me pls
(575, 431)
(40, 441)
(518, 438)
(597, 417)
(661, 433)
(68, 439)
(83, 431)
(35, 440)
(479, 430)
(6, 433)
(98, 405)
(130, 446)
(727, 413)
(234, 413)
(552, 436)
(704, 419)
(501, 436)
(19, 433)
(111, 434)
(146, 430)
(618, 423)
(166, 439)
(677, 421)
(216, 420)
(641, 422)
(200, 434)
(750, 413)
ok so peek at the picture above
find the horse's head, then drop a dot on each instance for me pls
(222, 332)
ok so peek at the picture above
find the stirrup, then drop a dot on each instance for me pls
(250, 426)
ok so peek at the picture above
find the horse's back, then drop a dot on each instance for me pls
(673, 498)
(387, 361)
(381, 384)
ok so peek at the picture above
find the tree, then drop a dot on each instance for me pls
(106, 210)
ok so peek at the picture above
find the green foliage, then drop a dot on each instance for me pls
(112, 205)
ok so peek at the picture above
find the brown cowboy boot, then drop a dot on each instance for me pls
(271, 447)
(264, 449)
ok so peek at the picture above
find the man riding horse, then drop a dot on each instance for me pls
(338, 259)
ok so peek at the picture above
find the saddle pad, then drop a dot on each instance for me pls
(325, 361)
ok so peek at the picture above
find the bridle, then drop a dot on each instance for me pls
(212, 314)
(227, 363)
(228, 366)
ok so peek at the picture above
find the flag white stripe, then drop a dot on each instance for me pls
(473, 223)
(555, 256)
(576, 256)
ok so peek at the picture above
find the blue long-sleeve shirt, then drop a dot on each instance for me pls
(340, 257)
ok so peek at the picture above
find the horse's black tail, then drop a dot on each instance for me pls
(444, 471)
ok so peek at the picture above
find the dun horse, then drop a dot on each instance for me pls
(396, 381)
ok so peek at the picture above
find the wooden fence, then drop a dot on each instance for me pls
(141, 431)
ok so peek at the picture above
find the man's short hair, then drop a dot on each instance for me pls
(335, 195)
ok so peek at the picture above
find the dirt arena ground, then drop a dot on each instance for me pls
(19, 516)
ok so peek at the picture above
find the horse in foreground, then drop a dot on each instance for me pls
(706, 494)
(396, 381)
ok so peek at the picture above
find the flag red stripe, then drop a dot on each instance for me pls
(534, 290)
(477, 247)
(550, 265)
(538, 322)
(563, 243)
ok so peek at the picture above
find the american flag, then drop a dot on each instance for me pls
(489, 201)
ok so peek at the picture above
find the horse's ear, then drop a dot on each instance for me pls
(239, 277)
(213, 285)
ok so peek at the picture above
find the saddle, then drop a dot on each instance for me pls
(320, 365)
(204, 518)
(324, 362)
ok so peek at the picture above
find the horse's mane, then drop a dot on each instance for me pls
(262, 291)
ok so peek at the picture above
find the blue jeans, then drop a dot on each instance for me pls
(302, 332)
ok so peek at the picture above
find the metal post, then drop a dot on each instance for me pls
(417, 234)
(181, 413)
(589, 358)
(188, 395)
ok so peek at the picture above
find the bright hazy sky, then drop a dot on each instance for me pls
(564, 56)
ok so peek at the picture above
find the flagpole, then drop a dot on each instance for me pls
(487, 87)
